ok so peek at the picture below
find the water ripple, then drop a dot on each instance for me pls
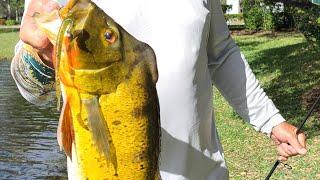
(29, 148)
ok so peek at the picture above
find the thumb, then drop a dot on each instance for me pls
(294, 142)
(29, 31)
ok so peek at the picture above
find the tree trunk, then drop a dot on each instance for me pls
(9, 10)
(17, 15)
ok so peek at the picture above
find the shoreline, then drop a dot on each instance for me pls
(5, 29)
(8, 27)
(5, 59)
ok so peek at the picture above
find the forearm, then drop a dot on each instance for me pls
(232, 75)
(235, 80)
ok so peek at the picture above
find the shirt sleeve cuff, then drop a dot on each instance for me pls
(34, 79)
(273, 121)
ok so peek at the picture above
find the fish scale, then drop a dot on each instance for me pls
(128, 134)
(110, 113)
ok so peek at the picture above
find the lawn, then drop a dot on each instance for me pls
(7, 43)
(287, 71)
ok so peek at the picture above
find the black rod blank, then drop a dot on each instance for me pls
(298, 131)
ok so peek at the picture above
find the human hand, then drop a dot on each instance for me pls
(288, 142)
(32, 35)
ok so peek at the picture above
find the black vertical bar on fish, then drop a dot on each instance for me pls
(298, 131)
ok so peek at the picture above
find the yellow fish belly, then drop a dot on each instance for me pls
(131, 116)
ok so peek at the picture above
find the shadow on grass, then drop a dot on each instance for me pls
(246, 44)
(299, 72)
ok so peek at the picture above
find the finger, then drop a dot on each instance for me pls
(293, 141)
(47, 55)
(282, 152)
(275, 140)
(288, 149)
(41, 6)
(50, 5)
(302, 139)
(281, 158)
(31, 34)
(292, 151)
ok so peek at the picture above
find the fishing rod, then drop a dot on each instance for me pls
(317, 2)
(298, 131)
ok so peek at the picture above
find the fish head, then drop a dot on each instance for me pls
(85, 37)
(93, 39)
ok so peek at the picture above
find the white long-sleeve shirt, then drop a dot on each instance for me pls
(194, 50)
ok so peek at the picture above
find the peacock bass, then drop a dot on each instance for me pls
(109, 124)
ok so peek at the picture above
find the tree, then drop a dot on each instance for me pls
(12, 9)
(258, 15)
(306, 16)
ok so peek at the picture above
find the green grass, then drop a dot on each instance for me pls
(286, 71)
(7, 42)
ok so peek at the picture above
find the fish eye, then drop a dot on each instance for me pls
(110, 36)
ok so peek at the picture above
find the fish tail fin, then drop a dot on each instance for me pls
(100, 131)
(65, 130)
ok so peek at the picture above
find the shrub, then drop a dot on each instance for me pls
(268, 22)
(235, 20)
(234, 16)
(253, 18)
(10, 22)
(258, 15)
(284, 20)
(301, 14)
(307, 22)
(226, 7)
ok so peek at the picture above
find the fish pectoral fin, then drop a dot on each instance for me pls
(65, 130)
(99, 130)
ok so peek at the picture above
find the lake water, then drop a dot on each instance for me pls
(28, 145)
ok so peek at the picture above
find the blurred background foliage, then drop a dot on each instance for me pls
(11, 12)
(280, 15)
(306, 17)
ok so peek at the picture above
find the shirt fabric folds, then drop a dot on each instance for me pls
(194, 50)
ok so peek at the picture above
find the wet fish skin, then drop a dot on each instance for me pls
(110, 111)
